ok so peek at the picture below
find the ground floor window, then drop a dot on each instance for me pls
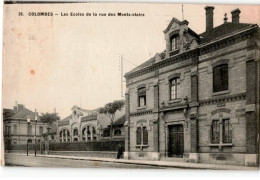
(106, 133)
(218, 126)
(227, 131)
(142, 136)
(117, 132)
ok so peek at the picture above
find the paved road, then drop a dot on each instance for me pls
(31, 161)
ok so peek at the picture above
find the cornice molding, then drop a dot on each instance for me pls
(141, 113)
(223, 99)
(171, 60)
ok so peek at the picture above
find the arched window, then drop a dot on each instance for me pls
(142, 136)
(174, 88)
(220, 78)
(75, 132)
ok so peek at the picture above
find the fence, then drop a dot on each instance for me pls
(109, 145)
(103, 145)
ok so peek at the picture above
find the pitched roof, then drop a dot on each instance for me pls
(120, 121)
(104, 120)
(218, 32)
(23, 113)
(8, 113)
(66, 118)
(223, 30)
(147, 63)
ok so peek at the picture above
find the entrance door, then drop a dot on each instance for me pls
(176, 141)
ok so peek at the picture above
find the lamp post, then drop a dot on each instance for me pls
(35, 134)
(48, 129)
(28, 122)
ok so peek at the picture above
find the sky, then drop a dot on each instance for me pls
(62, 61)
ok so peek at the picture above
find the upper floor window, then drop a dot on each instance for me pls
(142, 136)
(15, 129)
(174, 40)
(30, 129)
(174, 88)
(220, 78)
(142, 97)
(41, 130)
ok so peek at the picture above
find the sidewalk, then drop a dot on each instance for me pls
(153, 163)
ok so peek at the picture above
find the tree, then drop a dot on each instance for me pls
(49, 118)
(110, 110)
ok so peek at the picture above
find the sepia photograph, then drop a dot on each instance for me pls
(130, 85)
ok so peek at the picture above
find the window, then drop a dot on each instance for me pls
(220, 78)
(93, 130)
(174, 88)
(117, 132)
(227, 131)
(142, 136)
(52, 137)
(221, 125)
(9, 130)
(174, 42)
(215, 132)
(15, 129)
(106, 132)
(14, 141)
(75, 132)
(88, 131)
(30, 129)
(142, 97)
(41, 130)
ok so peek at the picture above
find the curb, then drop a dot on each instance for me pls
(154, 163)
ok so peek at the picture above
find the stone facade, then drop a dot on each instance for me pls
(81, 125)
(16, 128)
(184, 115)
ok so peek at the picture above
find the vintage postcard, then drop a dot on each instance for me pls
(130, 85)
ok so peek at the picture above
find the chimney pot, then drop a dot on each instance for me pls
(209, 17)
(235, 15)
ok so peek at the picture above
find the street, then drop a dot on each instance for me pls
(32, 161)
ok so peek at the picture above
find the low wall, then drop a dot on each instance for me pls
(102, 154)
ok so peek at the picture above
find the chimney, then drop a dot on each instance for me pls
(209, 18)
(235, 15)
(36, 115)
(20, 106)
(15, 107)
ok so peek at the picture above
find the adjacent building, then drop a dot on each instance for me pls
(17, 130)
(197, 101)
(89, 125)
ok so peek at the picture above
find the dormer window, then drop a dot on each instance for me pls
(174, 40)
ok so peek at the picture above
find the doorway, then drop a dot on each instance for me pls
(175, 141)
